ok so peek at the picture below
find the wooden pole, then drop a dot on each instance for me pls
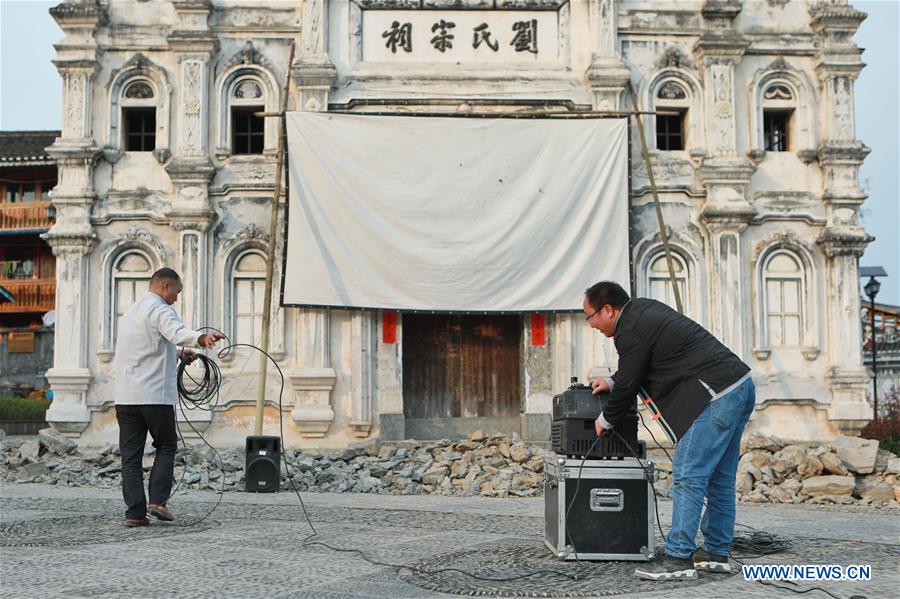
(270, 255)
(664, 234)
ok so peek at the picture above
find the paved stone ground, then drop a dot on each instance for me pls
(70, 542)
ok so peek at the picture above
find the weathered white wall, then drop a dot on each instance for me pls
(192, 205)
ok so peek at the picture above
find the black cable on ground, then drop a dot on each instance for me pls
(574, 497)
(204, 394)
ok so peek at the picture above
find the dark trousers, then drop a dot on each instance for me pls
(134, 424)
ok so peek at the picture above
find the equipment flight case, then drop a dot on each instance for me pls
(609, 510)
(598, 498)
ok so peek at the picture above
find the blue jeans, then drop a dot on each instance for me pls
(705, 465)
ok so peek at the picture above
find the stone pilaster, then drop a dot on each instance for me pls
(843, 240)
(725, 216)
(608, 73)
(314, 379)
(314, 74)
(72, 237)
(718, 50)
(726, 212)
(190, 169)
(362, 348)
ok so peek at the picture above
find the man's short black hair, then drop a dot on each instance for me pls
(165, 274)
(606, 292)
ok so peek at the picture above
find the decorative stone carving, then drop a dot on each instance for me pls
(312, 413)
(674, 57)
(248, 55)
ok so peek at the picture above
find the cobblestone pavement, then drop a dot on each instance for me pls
(70, 542)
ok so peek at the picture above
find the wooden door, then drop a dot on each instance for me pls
(461, 366)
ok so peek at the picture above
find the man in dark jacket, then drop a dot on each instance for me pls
(702, 395)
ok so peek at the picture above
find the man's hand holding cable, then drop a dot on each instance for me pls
(208, 340)
(187, 355)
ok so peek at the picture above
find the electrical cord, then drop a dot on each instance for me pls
(758, 543)
(574, 497)
(203, 394)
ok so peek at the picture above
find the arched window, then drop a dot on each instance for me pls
(131, 279)
(247, 130)
(138, 116)
(783, 294)
(659, 284)
(672, 104)
(778, 103)
(248, 281)
(246, 85)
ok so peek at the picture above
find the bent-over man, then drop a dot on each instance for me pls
(704, 395)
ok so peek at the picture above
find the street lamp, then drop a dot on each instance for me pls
(871, 289)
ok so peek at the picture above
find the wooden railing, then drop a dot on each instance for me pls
(32, 295)
(32, 215)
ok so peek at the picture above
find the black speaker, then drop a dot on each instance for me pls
(262, 470)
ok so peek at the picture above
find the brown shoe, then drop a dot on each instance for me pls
(161, 512)
(132, 522)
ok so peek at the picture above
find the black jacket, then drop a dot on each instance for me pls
(668, 354)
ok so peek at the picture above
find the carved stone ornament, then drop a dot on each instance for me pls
(112, 155)
(161, 155)
(247, 90)
(135, 233)
(139, 90)
(248, 55)
(671, 91)
(674, 58)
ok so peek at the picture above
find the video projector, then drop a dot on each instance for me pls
(572, 430)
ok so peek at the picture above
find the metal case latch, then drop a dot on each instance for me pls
(607, 500)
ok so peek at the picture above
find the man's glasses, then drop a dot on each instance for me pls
(594, 314)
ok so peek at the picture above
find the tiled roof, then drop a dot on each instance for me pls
(26, 148)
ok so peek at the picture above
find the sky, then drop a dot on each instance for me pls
(31, 98)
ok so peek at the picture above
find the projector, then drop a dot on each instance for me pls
(572, 430)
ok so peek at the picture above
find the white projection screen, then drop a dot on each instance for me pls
(449, 214)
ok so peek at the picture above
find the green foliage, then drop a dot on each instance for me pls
(886, 427)
(20, 409)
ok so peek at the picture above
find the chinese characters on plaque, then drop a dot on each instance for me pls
(523, 36)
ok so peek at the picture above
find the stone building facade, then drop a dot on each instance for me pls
(753, 147)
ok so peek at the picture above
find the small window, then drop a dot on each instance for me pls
(660, 283)
(778, 106)
(775, 128)
(131, 279)
(248, 291)
(784, 295)
(670, 131)
(140, 129)
(248, 130)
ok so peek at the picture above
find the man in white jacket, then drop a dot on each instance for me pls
(149, 344)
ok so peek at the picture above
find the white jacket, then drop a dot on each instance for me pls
(148, 337)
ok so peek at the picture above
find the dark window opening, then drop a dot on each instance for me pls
(247, 130)
(775, 129)
(140, 129)
(670, 131)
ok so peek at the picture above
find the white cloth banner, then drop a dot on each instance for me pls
(454, 214)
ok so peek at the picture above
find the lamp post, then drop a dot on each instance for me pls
(871, 289)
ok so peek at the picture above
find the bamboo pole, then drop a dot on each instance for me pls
(270, 254)
(663, 233)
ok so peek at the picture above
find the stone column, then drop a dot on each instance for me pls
(72, 237)
(362, 348)
(314, 74)
(608, 73)
(726, 212)
(190, 168)
(842, 239)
